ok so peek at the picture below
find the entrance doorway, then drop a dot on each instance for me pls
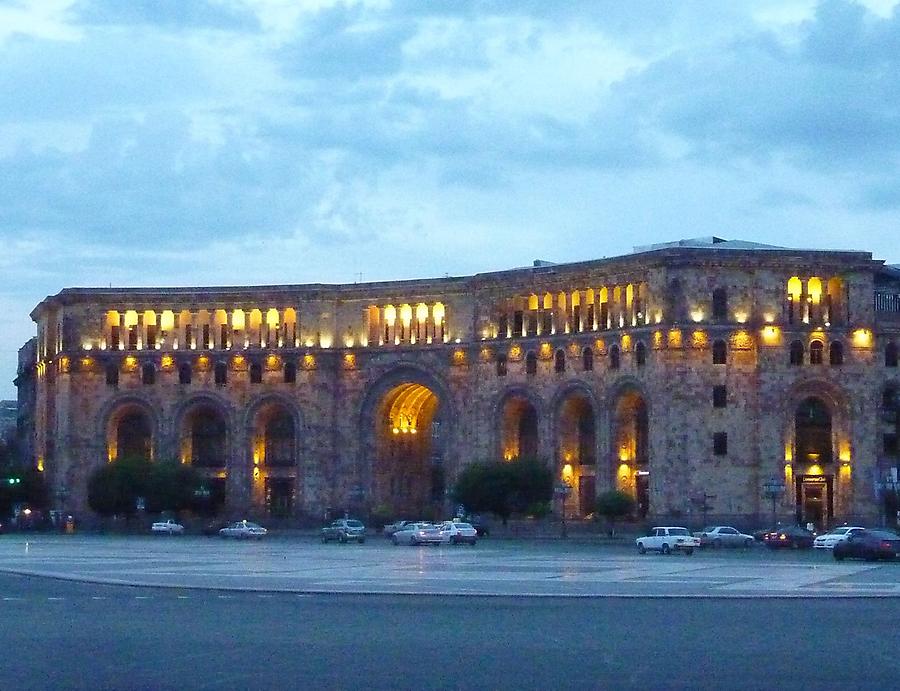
(587, 493)
(280, 496)
(815, 500)
(642, 491)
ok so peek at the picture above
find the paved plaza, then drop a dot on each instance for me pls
(494, 568)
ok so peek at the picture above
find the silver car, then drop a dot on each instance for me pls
(419, 534)
(723, 536)
(243, 529)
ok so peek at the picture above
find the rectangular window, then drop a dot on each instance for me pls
(720, 396)
(503, 326)
(114, 337)
(151, 335)
(720, 444)
(518, 323)
(604, 315)
(206, 337)
(546, 322)
(890, 444)
(576, 318)
(532, 324)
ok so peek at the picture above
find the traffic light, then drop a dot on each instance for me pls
(14, 480)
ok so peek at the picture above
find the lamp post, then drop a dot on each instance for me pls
(562, 490)
(773, 488)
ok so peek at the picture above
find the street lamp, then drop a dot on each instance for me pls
(773, 488)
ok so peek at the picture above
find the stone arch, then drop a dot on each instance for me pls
(629, 460)
(838, 404)
(130, 426)
(203, 427)
(406, 421)
(274, 431)
(575, 430)
(518, 414)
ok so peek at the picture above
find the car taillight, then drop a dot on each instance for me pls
(885, 545)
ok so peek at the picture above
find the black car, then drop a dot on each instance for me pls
(869, 545)
(789, 537)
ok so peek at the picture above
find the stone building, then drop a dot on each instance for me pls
(687, 374)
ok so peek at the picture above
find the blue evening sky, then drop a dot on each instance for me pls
(189, 142)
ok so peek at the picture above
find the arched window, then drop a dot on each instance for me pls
(720, 304)
(255, 373)
(290, 372)
(559, 361)
(221, 373)
(797, 352)
(614, 357)
(720, 352)
(112, 374)
(279, 440)
(816, 351)
(501, 365)
(530, 363)
(836, 353)
(184, 373)
(587, 359)
(890, 355)
(813, 431)
(640, 354)
(148, 374)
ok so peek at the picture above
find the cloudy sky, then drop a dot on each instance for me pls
(187, 142)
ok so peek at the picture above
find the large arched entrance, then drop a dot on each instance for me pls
(129, 433)
(631, 448)
(519, 437)
(577, 450)
(408, 472)
(813, 445)
(203, 444)
(275, 456)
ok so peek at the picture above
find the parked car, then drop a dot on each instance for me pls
(667, 539)
(392, 528)
(459, 533)
(243, 530)
(723, 536)
(419, 534)
(831, 538)
(344, 530)
(789, 537)
(869, 545)
(167, 527)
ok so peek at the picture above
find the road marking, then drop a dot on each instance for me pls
(13, 599)
(183, 597)
(97, 597)
(141, 597)
(226, 597)
(55, 599)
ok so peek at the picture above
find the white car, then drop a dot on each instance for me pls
(419, 534)
(724, 536)
(243, 529)
(168, 527)
(667, 539)
(831, 538)
(459, 533)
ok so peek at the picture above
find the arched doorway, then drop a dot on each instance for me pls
(631, 448)
(129, 433)
(275, 456)
(408, 473)
(203, 444)
(814, 455)
(519, 428)
(577, 450)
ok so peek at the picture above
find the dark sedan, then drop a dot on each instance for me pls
(789, 537)
(870, 545)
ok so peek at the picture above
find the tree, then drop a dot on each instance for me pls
(166, 486)
(504, 488)
(613, 504)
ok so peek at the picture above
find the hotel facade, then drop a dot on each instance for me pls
(690, 375)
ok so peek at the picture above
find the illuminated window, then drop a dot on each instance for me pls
(530, 363)
(290, 372)
(720, 444)
(640, 354)
(221, 373)
(796, 353)
(501, 365)
(559, 361)
(816, 351)
(112, 374)
(587, 359)
(167, 320)
(836, 354)
(614, 357)
(794, 293)
(184, 373)
(148, 374)
(720, 396)
(720, 352)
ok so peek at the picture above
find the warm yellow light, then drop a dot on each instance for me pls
(546, 350)
(788, 453)
(437, 313)
(349, 360)
(567, 472)
(740, 317)
(325, 340)
(459, 356)
(697, 314)
(405, 314)
(40, 464)
(788, 474)
(87, 362)
(167, 320)
(309, 361)
(845, 472)
(624, 470)
(658, 318)
(699, 339)
(844, 454)
(348, 342)
(87, 345)
(396, 430)
(390, 315)
(770, 335)
(130, 363)
(862, 338)
(508, 455)
(814, 469)
(675, 338)
(814, 287)
(515, 353)
(167, 362)
(131, 318)
(256, 473)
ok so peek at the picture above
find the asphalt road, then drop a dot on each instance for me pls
(61, 635)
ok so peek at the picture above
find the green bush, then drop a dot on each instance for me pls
(166, 486)
(613, 504)
(503, 487)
